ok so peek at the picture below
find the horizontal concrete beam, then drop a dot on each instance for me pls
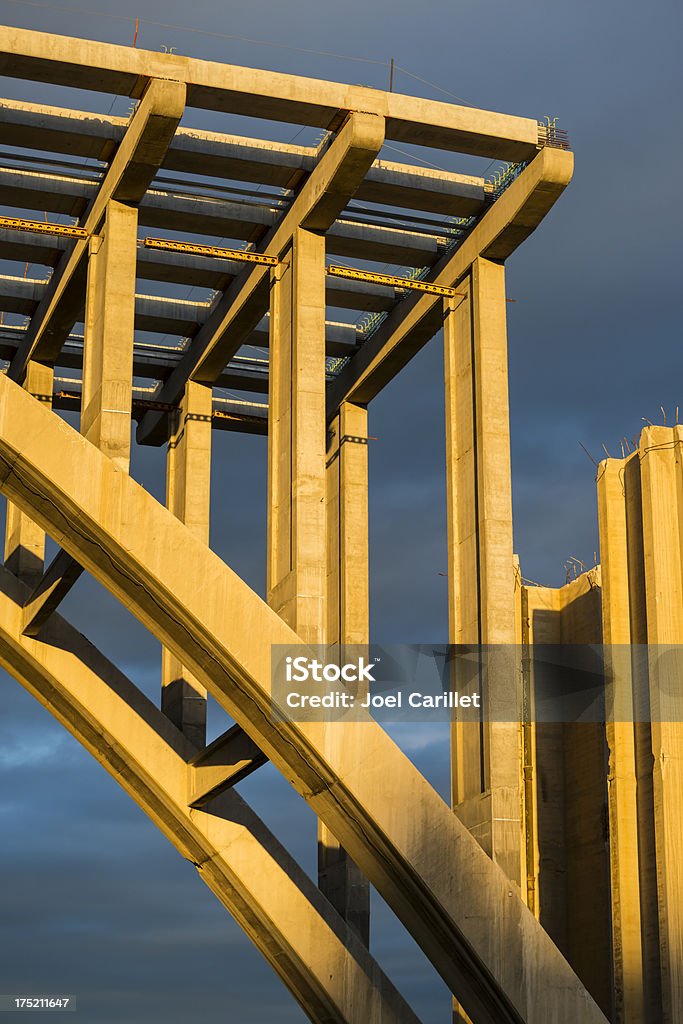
(363, 787)
(410, 326)
(103, 67)
(78, 133)
(36, 191)
(187, 269)
(220, 766)
(160, 315)
(315, 208)
(317, 957)
(131, 170)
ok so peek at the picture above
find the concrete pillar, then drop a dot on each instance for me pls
(486, 758)
(109, 325)
(188, 496)
(623, 623)
(303, 554)
(347, 623)
(24, 540)
(297, 563)
(566, 795)
(661, 467)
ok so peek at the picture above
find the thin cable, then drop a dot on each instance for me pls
(413, 156)
(197, 31)
(433, 85)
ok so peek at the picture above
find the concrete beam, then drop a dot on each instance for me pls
(61, 575)
(186, 269)
(317, 958)
(211, 218)
(315, 208)
(78, 133)
(158, 314)
(208, 616)
(130, 172)
(103, 67)
(409, 327)
(225, 762)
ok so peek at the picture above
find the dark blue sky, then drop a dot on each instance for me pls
(93, 899)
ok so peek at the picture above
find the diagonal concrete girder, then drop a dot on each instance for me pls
(130, 172)
(510, 220)
(318, 958)
(455, 901)
(324, 194)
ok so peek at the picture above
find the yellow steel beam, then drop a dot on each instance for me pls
(396, 282)
(42, 227)
(211, 250)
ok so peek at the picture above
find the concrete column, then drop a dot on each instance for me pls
(109, 325)
(188, 496)
(297, 563)
(303, 554)
(486, 758)
(24, 540)
(622, 624)
(347, 623)
(661, 467)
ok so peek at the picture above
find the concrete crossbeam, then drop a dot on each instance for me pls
(192, 151)
(187, 269)
(316, 207)
(329, 973)
(199, 608)
(231, 758)
(211, 218)
(130, 172)
(61, 575)
(103, 67)
(408, 328)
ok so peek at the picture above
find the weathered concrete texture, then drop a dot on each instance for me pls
(640, 524)
(316, 956)
(568, 862)
(367, 792)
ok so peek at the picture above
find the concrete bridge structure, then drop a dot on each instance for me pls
(597, 936)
